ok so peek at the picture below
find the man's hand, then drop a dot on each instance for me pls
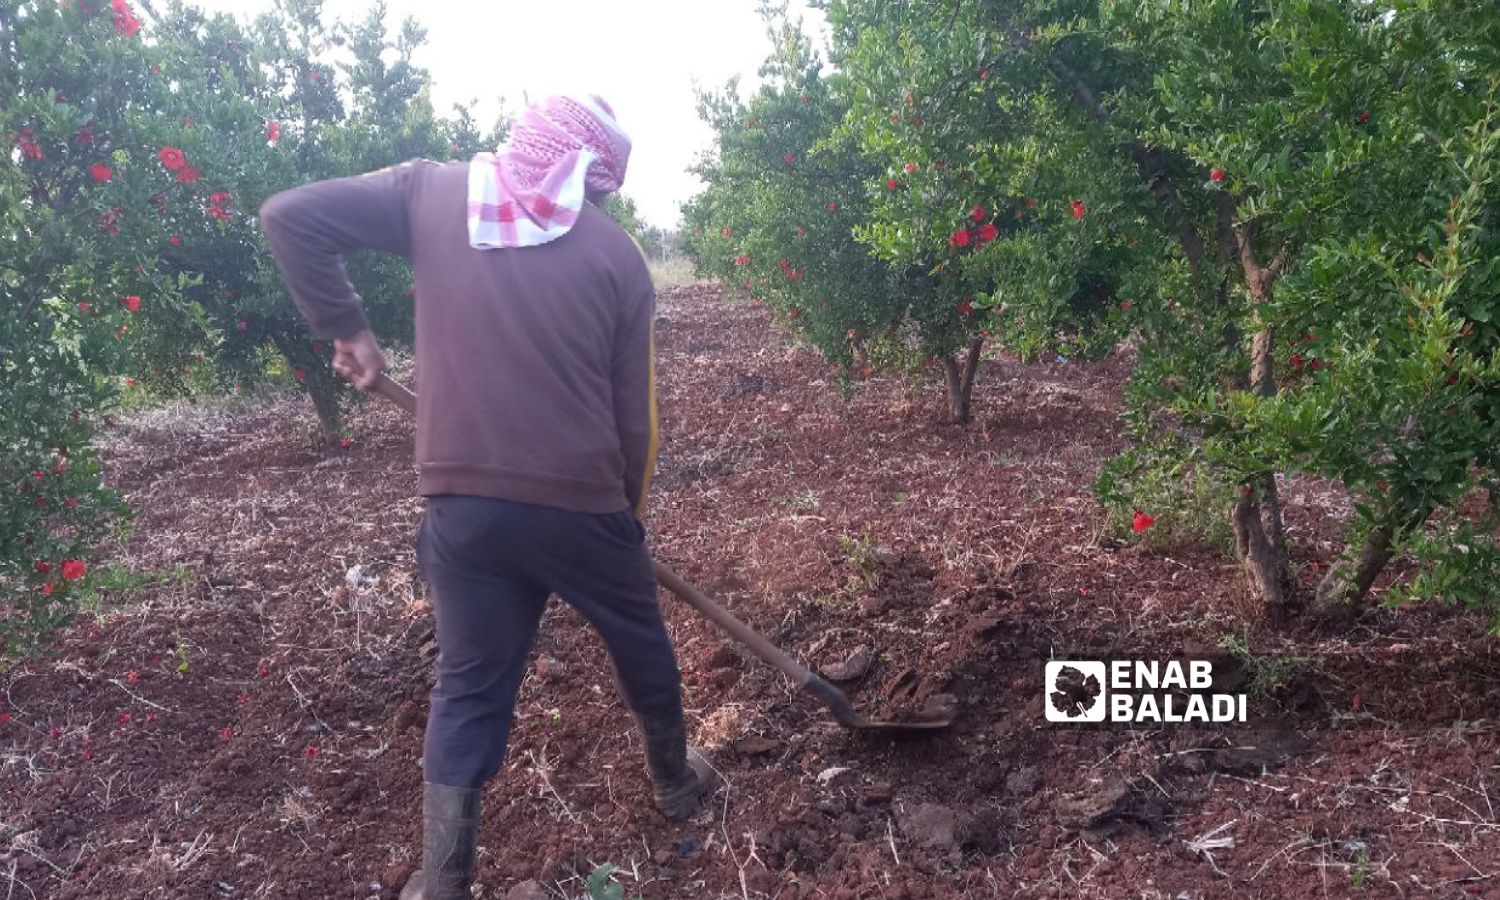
(358, 358)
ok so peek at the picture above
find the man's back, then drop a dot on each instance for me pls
(534, 362)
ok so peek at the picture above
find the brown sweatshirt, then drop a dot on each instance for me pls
(535, 363)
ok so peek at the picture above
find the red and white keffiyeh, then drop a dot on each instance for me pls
(531, 190)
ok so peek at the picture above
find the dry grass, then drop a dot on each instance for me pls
(674, 272)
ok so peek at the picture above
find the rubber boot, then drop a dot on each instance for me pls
(679, 776)
(450, 824)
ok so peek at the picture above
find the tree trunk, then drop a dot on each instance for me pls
(326, 403)
(960, 381)
(1345, 588)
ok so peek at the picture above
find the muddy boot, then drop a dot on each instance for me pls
(450, 821)
(678, 775)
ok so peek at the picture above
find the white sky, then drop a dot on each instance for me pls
(642, 56)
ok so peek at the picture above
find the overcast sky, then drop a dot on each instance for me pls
(643, 56)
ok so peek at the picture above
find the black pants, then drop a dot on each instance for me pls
(491, 565)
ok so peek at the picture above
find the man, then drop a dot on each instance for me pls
(535, 431)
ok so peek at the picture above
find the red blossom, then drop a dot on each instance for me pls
(789, 158)
(226, 733)
(4, 718)
(345, 441)
(966, 308)
(47, 589)
(30, 149)
(100, 172)
(273, 130)
(892, 183)
(300, 375)
(1296, 360)
(1030, 202)
(1080, 209)
(833, 207)
(794, 313)
(977, 213)
(124, 718)
(1141, 522)
(173, 158)
(242, 325)
(174, 240)
(189, 175)
(132, 676)
(84, 307)
(54, 733)
(132, 303)
(726, 231)
(959, 238)
(988, 232)
(155, 69)
(42, 566)
(1127, 305)
(910, 167)
(1364, 116)
(801, 232)
(71, 502)
(310, 752)
(1216, 175)
(984, 74)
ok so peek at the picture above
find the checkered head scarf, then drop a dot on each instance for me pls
(531, 190)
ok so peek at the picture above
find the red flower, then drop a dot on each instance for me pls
(226, 733)
(242, 325)
(801, 232)
(188, 175)
(1141, 522)
(42, 566)
(988, 232)
(1364, 116)
(126, 23)
(273, 131)
(345, 441)
(1079, 209)
(1296, 360)
(892, 183)
(124, 718)
(30, 149)
(794, 313)
(71, 502)
(977, 213)
(789, 158)
(742, 260)
(959, 238)
(132, 303)
(910, 167)
(726, 231)
(4, 718)
(984, 74)
(131, 382)
(73, 569)
(155, 69)
(174, 240)
(966, 308)
(1030, 202)
(1216, 175)
(264, 672)
(100, 172)
(84, 307)
(172, 158)
(54, 733)
(299, 375)
(833, 207)
(310, 752)
(47, 589)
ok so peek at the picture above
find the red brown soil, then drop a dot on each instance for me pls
(963, 557)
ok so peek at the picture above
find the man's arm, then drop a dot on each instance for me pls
(309, 229)
(634, 378)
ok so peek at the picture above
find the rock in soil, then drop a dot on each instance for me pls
(852, 668)
(934, 826)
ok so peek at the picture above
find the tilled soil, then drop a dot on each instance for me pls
(251, 726)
